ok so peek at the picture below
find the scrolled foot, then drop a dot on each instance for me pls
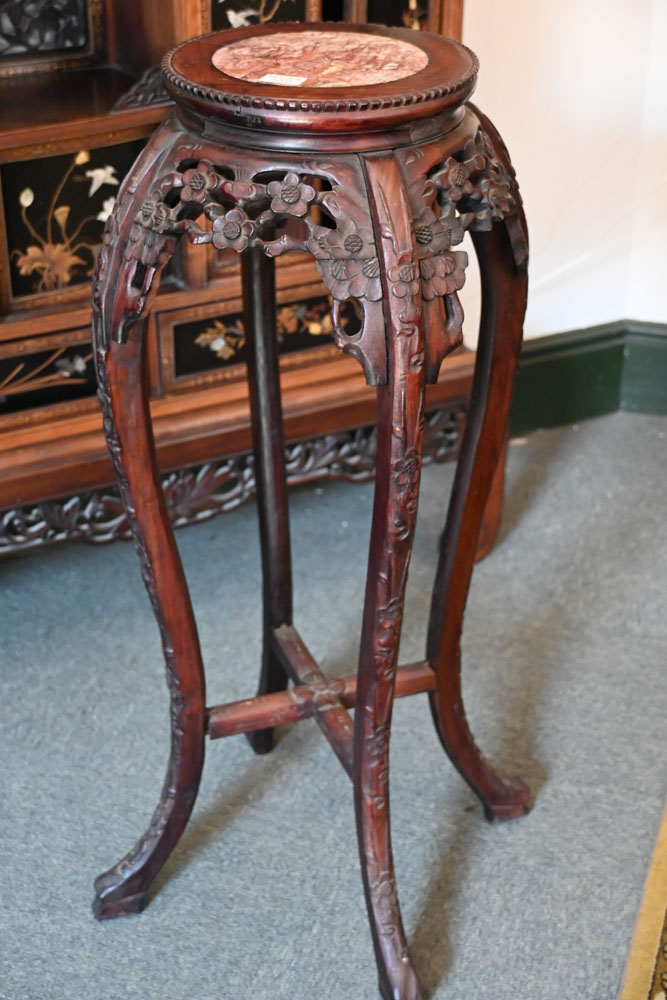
(112, 898)
(510, 800)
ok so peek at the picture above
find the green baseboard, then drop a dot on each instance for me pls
(586, 373)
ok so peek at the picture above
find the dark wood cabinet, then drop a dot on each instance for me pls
(79, 95)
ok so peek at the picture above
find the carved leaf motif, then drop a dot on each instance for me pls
(218, 487)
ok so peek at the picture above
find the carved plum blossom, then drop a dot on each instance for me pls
(404, 277)
(443, 274)
(290, 196)
(477, 184)
(433, 235)
(406, 469)
(385, 899)
(454, 179)
(347, 240)
(494, 198)
(154, 214)
(198, 181)
(231, 230)
(352, 278)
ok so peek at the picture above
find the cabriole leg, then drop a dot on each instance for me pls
(126, 271)
(504, 286)
(269, 452)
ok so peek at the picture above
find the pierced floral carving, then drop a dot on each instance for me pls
(199, 493)
(231, 230)
(476, 185)
(290, 196)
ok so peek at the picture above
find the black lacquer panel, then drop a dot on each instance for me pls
(50, 375)
(55, 211)
(219, 342)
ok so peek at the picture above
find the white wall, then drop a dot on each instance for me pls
(578, 89)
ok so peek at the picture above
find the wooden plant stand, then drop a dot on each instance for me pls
(355, 145)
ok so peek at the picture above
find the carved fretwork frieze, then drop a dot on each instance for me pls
(235, 199)
(199, 493)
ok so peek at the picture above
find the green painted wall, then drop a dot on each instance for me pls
(585, 373)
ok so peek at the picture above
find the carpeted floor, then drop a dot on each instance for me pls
(564, 661)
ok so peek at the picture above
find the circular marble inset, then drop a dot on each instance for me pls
(320, 59)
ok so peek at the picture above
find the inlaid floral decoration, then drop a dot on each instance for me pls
(312, 318)
(209, 344)
(47, 376)
(55, 212)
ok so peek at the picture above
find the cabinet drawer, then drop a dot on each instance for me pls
(40, 371)
(207, 343)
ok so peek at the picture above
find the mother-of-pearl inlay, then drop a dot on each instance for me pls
(320, 59)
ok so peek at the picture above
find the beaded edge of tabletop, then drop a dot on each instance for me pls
(237, 95)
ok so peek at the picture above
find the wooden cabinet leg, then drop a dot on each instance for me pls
(479, 469)
(259, 300)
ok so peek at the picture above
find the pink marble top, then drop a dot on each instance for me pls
(320, 59)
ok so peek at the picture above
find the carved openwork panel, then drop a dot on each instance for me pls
(452, 193)
(235, 199)
(47, 33)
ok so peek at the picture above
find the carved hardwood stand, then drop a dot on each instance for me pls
(356, 145)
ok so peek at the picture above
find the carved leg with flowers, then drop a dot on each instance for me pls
(129, 261)
(502, 254)
(400, 422)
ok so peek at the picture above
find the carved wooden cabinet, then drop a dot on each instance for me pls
(79, 95)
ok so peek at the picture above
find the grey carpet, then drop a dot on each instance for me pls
(565, 680)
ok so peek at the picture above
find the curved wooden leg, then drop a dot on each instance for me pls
(504, 288)
(400, 424)
(493, 511)
(125, 274)
(269, 451)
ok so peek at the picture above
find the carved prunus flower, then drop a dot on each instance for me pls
(352, 278)
(454, 178)
(290, 196)
(443, 273)
(154, 214)
(494, 192)
(232, 230)
(406, 469)
(346, 241)
(198, 181)
(435, 235)
(385, 898)
(404, 277)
